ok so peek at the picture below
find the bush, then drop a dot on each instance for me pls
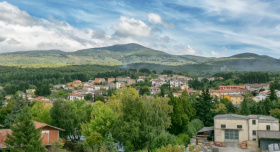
(191, 130)
(198, 124)
(163, 140)
(171, 148)
(183, 139)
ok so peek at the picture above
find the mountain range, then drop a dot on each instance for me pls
(137, 56)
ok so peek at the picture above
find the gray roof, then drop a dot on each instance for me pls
(261, 117)
(269, 134)
(231, 115)
(204, 129)
(246, 117)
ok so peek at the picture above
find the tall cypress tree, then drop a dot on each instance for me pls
(272, 95)
(204, 108)
(25, 137)
(245, 108)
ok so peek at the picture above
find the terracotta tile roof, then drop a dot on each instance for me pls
(40, 124)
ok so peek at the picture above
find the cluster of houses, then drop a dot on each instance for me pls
(235, 93)
(98, 86)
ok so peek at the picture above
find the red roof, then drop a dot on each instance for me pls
(77, 95)
(41, 125)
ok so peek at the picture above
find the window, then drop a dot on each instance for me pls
(254, 122)
(239, 126)
(223, 126)
(254, 132)
(267, 127)
(254, 139)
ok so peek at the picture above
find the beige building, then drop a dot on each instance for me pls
(261, 123)
(238, 128)
(231, 128)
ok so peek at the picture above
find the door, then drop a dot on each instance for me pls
(231, 135)
(45, 135)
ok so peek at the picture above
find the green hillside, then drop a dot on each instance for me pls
(137, 56)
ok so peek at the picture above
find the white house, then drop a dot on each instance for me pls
(72, 97)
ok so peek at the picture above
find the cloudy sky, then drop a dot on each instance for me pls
(205, 27)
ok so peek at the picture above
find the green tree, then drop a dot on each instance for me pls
(183, 139)
(268, 105)
(272, 95)
(99, 98)
(197, 123)
(25, 137)
(231, 108)
(140, 119)
(163, 140)
(94, 141)
(144, 90)
(102, 119)
(275, 113)
(162, 92)
(4, 111)
(43, 90)
(41, 112)
(245, 108)
(181, 114)
(204, 108)
(88, 97)
(220, 109)
(70, 115)
(15, 110)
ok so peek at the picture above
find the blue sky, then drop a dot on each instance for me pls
(205, 28)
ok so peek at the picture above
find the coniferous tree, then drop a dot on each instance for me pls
(204, 108)
(272, 95)
(25, 137)
(245, 108)
(268, 105)
(11, 118)
(230, 108)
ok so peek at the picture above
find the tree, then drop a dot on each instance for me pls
(88, 97)
(272, 95)
(11, 117)
(231, 108)
(268, 105)
(163, 140)
(181, 114)
(140, 119)
(41, 112)
(144, 90)
(162, 94)
(220, 109)
(204, 106)
(25, 137)
(275, 113)
(4, 111)
(43, 90)
(102, 119)
(99, 98)
(70, 115)
(244, 108)
(93, 141)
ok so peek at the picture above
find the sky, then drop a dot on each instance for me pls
(212, 28)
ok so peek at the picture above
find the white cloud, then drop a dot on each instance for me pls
(131, 27)
(154, 18)
(19, 32)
